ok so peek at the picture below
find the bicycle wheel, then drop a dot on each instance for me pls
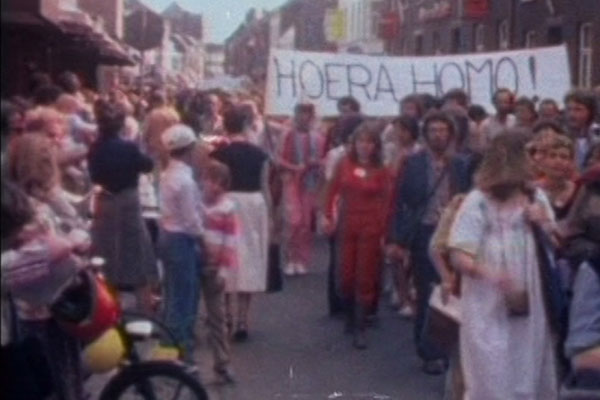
(153, 380)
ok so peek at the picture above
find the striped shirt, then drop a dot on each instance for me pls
(221, 233)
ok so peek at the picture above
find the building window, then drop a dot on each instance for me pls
(503, 35)
(479, 38)
(359, 20)
(456, 40)
(406, 48)
(530, 39)
(375, 19)
(436, 43)
(418, 44)
(356, 21)
(555, 35)
(366, 13)
(585, 55)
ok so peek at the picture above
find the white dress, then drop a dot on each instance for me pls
(503, 357)
(253, 250)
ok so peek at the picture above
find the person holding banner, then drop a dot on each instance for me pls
(301, 158)
(503, 100)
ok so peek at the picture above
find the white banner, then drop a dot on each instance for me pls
(379, 83)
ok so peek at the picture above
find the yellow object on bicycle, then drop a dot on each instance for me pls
(165, 353)
(104, 353)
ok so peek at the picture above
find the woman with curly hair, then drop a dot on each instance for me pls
(492, 244)
(55, 232)
(33, 166)
(558, 181)
(70, 154)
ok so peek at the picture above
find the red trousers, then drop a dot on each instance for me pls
(299, 206)
(361, 255)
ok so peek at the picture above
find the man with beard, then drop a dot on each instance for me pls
(503, 101)
(431, 178)
(580, 109)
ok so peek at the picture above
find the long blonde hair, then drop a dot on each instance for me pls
(32, 164)
(158, 121)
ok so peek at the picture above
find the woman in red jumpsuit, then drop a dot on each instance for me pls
(363, 185)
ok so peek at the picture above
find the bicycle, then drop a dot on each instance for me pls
(134, 377)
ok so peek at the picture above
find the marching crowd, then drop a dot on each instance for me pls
(195, 198)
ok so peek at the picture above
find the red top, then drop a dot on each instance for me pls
(365, 193)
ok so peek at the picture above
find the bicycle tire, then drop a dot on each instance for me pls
(133, 375)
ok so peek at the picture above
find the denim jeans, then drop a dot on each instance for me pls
(425, 276)
(183, 266)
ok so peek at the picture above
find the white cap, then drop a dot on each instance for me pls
(178, 137)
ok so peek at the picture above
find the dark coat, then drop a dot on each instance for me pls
(414, 187)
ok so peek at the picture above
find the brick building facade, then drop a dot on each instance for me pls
(427, 27)
(298, 23)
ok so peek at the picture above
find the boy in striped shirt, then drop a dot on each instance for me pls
(220, 239)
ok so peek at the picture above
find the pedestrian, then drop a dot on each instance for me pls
(78, 129)
(221, 243)
(158, 120)
(249, 191)
(544, 133)
(558, 181)
(504, 322)
(182, 244)
(302, 153)
(580, 230)
(119, 234)
(412, 106)
(548, 110)
(405, 143)
(363, 185)
(51, 123)
(503, 100)
(345, 128)
(27, 369)
(47, 243)
(255, 124)
(209, 118)
(583, 340)
(418, 208)
(580, 113)
(525, 113)
(439, 253)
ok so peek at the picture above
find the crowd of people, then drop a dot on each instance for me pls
(188, 196)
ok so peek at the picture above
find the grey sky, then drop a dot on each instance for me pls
(222, 16)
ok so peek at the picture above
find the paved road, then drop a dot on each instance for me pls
(296, 351)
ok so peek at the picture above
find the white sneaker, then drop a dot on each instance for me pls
(290, 269)
(406, 311)
(394, 299)
(301, 269)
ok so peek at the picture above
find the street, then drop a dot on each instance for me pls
(296, 351)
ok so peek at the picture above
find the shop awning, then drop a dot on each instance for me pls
(88, 36)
